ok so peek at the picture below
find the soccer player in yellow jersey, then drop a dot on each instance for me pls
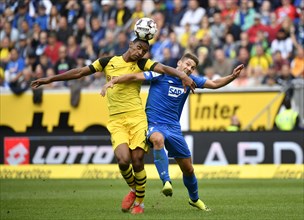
(127, 122)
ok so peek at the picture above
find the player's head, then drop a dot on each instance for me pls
(138, 48)
(187, 63)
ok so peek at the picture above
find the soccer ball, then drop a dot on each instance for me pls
(145, 28)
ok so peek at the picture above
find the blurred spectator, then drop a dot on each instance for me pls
(53, 85)
(260, 60)
(2, 79)
(287, 119)
(4, 51)
(211, 9)
(285, 79)
(175, 48)
(242, 57)
(122, 16)
(204, 60)
(217, 30)
(297, 63)
(255, 28)
(174, 16)
(271, 77)
(265, 12)
(230, 47)
(257, 75)
(244, 17)
(158, 47)
(64, 62)
(97, 34)
(221, 64)
(40, 45)
(122, 43)
(107, 12)
(242, 81)
(230, 8)
(204, 28)
(282, 43)
(53, 19)
(234, 125)
(21, 82)
(137, 14)
(185, 36)
(35, 38)
(64, 31)
(88, 14)
(244, 41)
(210, 74)
(23, 46)
(278, 61)
(108, 44)
(73, 49)
(21, 14)
(80, 30)
(261, 39)
(167, 58)
(273, 27)
(98, 80)
(286, 10)
(73, 10)
(87, 48)
(42, 17)
(193, 15)
(25, 29)
(10, 32)
(158, 7)
(231, 28)
(44, 63)
(14, 68)
(52, 48)
(298, 30)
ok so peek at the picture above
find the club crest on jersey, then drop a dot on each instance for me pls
(175, 91)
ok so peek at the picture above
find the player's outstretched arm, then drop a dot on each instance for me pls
(68, 75)
(186, 80)
(122, 79)
(218, 83)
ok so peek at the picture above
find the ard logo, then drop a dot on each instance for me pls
(16, 150)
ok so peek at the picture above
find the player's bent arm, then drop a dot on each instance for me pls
(218, 83)
(75, 73)
(187, 81)
(122, 79)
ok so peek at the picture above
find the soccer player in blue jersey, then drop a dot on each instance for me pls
(164, 107)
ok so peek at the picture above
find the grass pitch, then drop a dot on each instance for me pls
(101, 199)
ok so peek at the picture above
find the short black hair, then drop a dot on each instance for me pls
(138, 39)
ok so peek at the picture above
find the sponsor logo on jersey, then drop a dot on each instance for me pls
(175, 91)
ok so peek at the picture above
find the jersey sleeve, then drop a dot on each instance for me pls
(150, 75)
(100, 64)
(199, 80)
(146, 64)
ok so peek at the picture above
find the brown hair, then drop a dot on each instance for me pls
(190, 56)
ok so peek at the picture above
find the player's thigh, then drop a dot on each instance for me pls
(118, 130)
(185, 165)
(176, 145)
(137, 125)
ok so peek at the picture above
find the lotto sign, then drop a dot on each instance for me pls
(16, 150)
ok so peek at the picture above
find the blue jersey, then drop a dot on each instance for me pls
(167, 98)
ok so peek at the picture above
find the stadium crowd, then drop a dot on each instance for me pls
(46, 37)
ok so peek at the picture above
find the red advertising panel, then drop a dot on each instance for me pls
(16, 150)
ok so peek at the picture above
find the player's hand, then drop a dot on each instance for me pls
(38, 82)
(103, 91)
(236, 72)
(188, 82)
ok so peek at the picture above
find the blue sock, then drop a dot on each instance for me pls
(191, 183)
(162, 163)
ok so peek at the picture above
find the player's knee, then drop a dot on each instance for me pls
(157, 141)
(138, 165)
(188, 171)
(123, 162)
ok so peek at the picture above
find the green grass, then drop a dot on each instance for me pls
(100, 199)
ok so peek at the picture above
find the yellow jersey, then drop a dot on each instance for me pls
(122, 97)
